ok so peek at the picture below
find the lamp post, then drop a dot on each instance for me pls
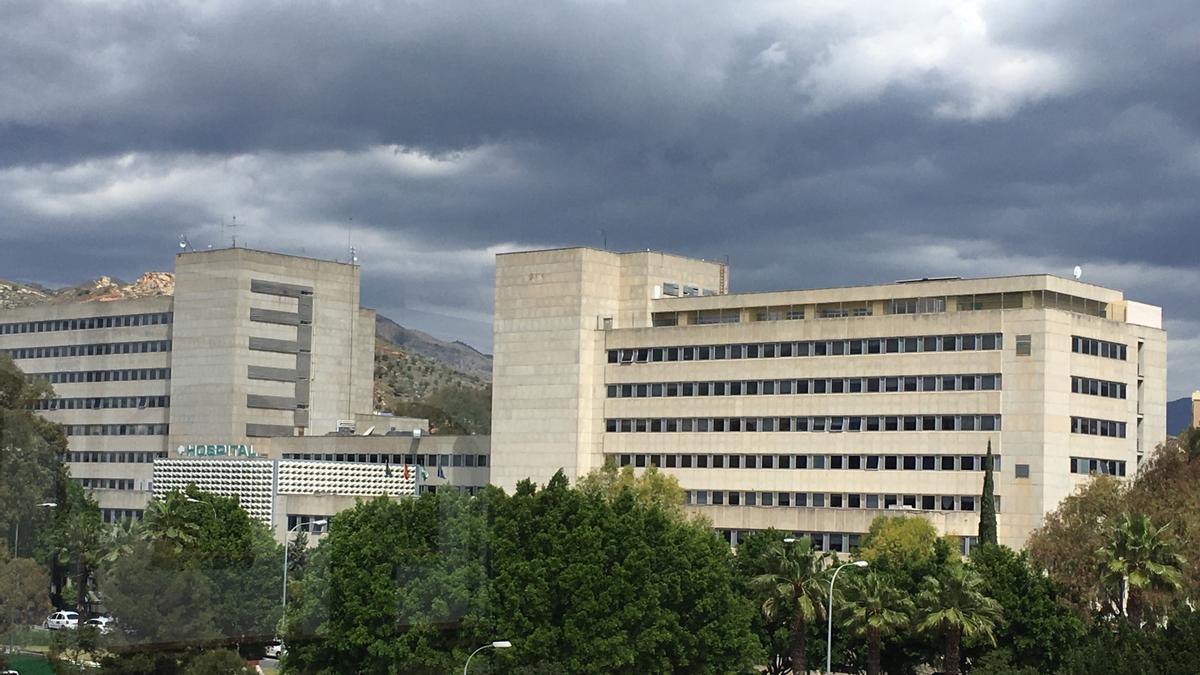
(17, 528)
(829, 636)
(286, 545)
(193, 500)
(498, 644)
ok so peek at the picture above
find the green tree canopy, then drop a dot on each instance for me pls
(874, 608)
(1037, 629)
(24, 598)
(953, 606)
(1138, 558)
(793, 585)
(579, 581)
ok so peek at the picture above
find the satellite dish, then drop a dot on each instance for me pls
(1078, 271)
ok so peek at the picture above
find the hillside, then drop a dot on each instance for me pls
(104, 289)
(1179, 415)
(456, 355)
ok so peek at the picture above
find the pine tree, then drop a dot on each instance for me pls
(987, 506)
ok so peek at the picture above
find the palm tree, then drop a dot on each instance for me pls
(1138, 556)
(875, 610)
(167, 520)
(795, 583)
(954, 607)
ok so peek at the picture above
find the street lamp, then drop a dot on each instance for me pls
(498, 644)
(829, 637)
(286, 545)
(193, 500)
(17, 527)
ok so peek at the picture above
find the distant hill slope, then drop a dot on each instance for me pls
(1179, 415)
(456, 355)
(104, 289)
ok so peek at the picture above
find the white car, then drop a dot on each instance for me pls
(104, 624)
(275, 650)
(60, 620)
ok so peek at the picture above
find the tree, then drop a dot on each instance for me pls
(76, 543)
(228, 563)
(1037, 629)
(954, 607)
(218, 662)
(1066, 544)
(901, 543)
(987, 504)
(875, 609)
(794, 586)
(581, 582)
(1138, 557)
(651, 487)
(32, 451)
(773, 633)
(23, 598)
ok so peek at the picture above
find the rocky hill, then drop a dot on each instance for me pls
(104, 289)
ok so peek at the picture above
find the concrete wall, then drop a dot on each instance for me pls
(552, 311)
(551, 370)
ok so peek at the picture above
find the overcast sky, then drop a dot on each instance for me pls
(814, 142)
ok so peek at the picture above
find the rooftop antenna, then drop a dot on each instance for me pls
(1077, 272)
(184, 244)
(604, 238)
(232, 230)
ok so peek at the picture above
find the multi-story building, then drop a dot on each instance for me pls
(815, 411)
(256, 356)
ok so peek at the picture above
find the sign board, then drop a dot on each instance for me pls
(217, 450)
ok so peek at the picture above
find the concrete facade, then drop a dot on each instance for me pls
(887, 395)
(255, 350)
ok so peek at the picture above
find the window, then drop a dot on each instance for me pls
(1024, 345)
(1022, 471)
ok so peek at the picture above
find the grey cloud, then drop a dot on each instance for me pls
(445, 130)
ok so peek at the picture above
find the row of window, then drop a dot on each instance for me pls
(430, 460)
(87, 323)
(106, 483)
(1092, 465)
(1087, 385)
(116, 429)
(811, 461)
(120, 375)
(769, 350)
(1095, 427)
(95, 457)
(303, 521)
(843, 542)
(834, 500)
(686, 290)
(472, 490)
(103, 402)
(117, 515)
(1109, 350)
(95, 349)
(837, 385)
(817, 423)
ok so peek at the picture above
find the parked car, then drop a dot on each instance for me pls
(275, 650)
(60, 620)
(104, 624)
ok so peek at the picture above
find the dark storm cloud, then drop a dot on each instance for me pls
(813, 143)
